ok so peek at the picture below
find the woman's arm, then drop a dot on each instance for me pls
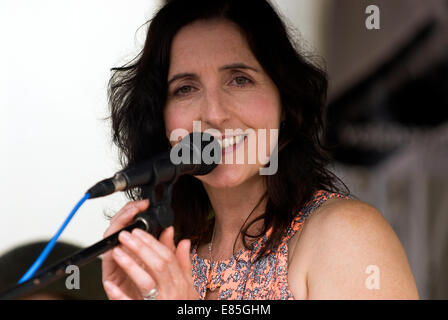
(349, 251)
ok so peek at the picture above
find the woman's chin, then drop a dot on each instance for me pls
(226, 176)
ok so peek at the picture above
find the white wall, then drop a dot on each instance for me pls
(55, 61)
(308, 17)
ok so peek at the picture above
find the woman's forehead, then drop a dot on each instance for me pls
(216, 42)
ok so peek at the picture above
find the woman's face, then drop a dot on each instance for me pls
(214, 78)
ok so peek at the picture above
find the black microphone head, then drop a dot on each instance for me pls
(200, 153)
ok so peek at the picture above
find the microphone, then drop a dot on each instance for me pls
(162, 168)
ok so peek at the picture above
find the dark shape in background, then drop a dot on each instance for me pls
(403, 88)
(15, 262)
(388, 122)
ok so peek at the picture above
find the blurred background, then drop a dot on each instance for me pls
(387, 113)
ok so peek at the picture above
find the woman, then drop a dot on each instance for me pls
(237, 234)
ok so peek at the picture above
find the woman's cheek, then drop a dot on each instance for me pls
(172, 120)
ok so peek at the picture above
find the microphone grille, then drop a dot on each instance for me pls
(205, 153)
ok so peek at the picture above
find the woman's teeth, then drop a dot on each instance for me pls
(230, 141)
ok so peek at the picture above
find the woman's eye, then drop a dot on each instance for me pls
(183, 90)
(241, 81)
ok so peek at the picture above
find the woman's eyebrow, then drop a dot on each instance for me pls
(183, 75)
(225, 67)
(238, 65)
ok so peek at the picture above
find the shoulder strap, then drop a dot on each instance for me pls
(318, 199)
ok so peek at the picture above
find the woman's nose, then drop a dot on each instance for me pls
(214, 110)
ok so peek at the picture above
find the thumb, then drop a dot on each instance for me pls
(183, 256)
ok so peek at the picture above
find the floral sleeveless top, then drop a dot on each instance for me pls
(240, 278)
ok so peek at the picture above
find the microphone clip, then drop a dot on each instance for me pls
(159, 215)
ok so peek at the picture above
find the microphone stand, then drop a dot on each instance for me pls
(157, 217)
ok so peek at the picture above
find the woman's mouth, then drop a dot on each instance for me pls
(230, 144)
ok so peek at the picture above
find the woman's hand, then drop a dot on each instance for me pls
(141, 262)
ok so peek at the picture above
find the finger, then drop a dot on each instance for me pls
(156, 256)
(166, 241)
(122, 215)
(183, 256)
(125, 216)
(143, 281)
(163, 265)
(114, 292)
(164, 251)
(166, 238)
(184, 259)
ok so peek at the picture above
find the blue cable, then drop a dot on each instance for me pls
(36, 265)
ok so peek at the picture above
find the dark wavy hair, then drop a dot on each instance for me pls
(138, 91)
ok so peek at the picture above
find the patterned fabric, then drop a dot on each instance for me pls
(240, 278)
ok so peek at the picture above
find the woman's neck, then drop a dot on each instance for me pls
(232, 206)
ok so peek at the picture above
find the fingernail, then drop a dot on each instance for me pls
(110, 287)
(125, 235)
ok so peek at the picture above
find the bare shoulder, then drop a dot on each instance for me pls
(347, 250)
(342, 213)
